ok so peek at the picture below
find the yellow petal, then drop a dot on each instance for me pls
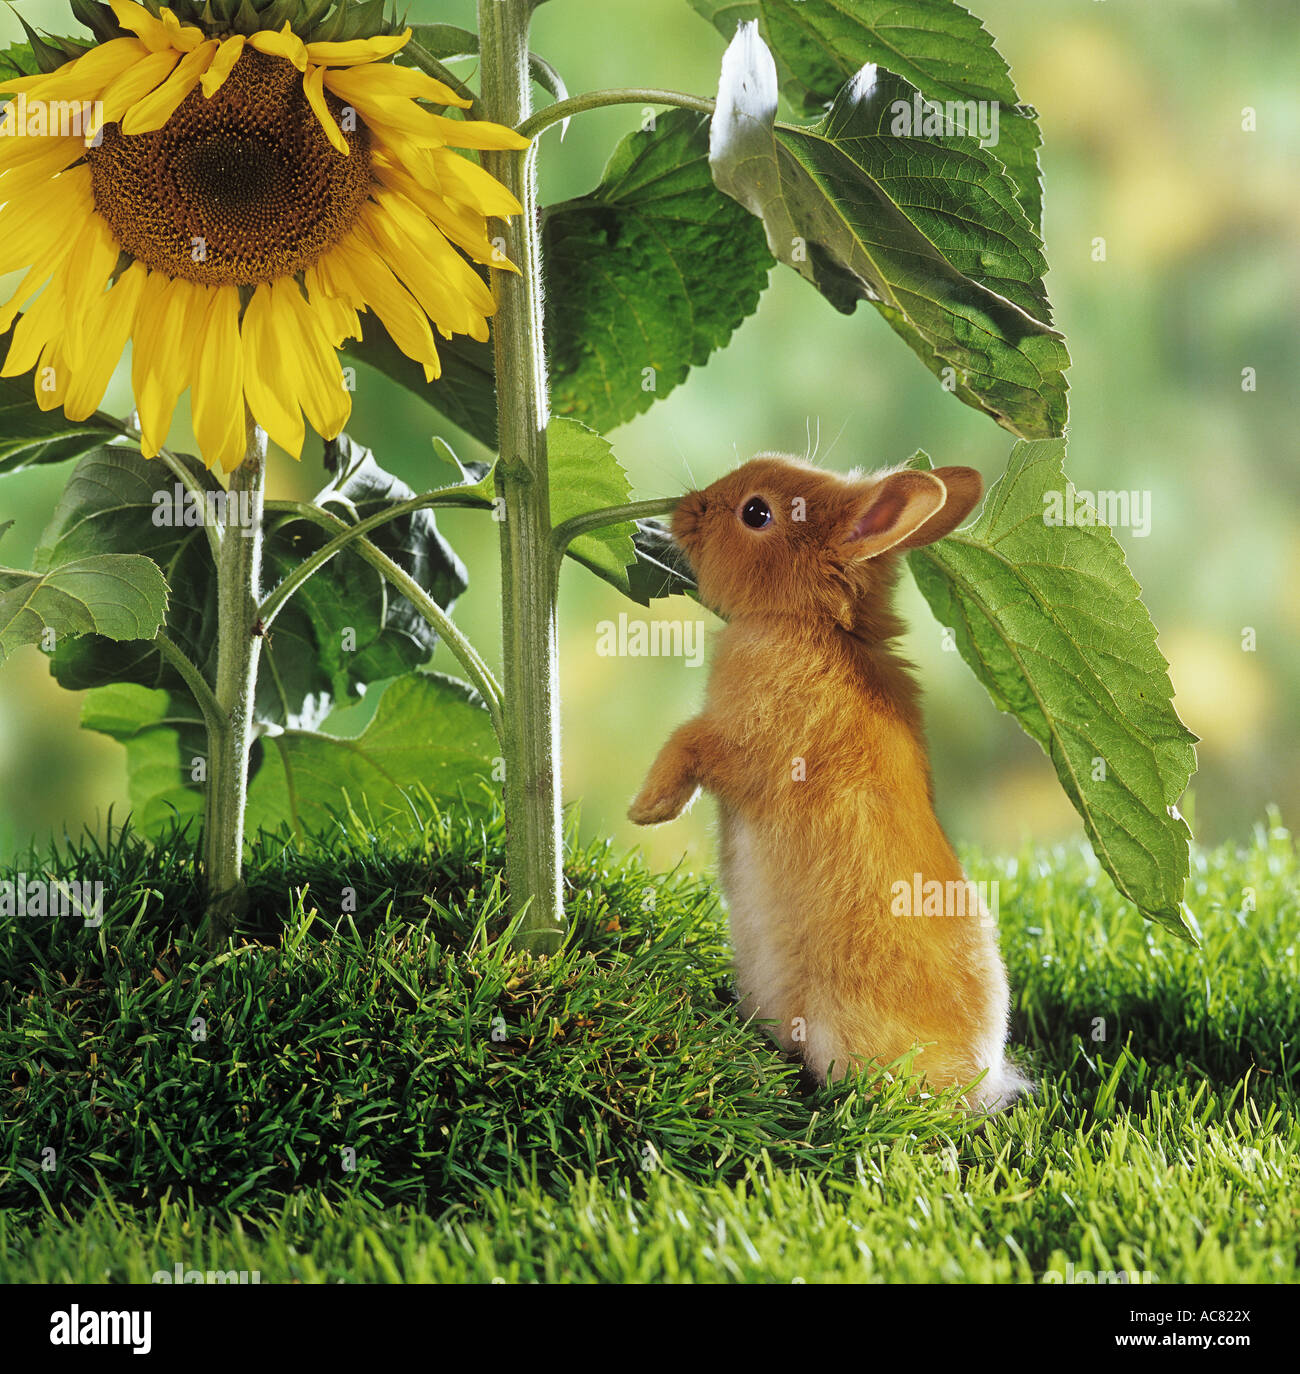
(324, 398)
(84, 77)
(133, 85)
(109, 327)
(42, 322)
(313, 88)
(183, 36)
(402, 83)
(51, 377)
(84, 276)
(168, 326)
(477, 133)
(222, 65)
(286, 44)
(367, 280)
(268, 388)
(357, 51)
(337, 316)
(150, 114)
(25, 224)
(155, 34)
(217, 393)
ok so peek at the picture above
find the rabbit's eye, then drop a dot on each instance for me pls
(756, 513)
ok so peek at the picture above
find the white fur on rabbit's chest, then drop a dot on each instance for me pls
(755, 920)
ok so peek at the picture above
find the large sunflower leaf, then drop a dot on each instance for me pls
(927, 229)
(428, 732)
(1051, 620)
(941, 49)
(30, 435)
(118, 596)
(646, 275)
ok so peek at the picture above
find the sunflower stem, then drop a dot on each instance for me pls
(621, 95)
(531, 748)
(239, 647)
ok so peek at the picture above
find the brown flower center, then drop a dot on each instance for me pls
(242, 188)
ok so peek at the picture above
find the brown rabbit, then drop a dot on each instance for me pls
(810, 739)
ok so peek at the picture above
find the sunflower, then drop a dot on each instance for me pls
(233, 203)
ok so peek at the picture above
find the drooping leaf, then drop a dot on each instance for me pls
(119, 596)
(428, 731)
(926, 229)
(1051, 620)
(940, 48)
(585, 476)
(646, 275)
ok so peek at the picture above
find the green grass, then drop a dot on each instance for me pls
(380, 1092)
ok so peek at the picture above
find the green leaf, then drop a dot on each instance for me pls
(161, 745)
(428, 732)
(122, 597)
(30, 435)
(17, 60)
(585, 476)
(646, 275)
(927, 229)
(1052, 623)
(940, 48)
(661, 568)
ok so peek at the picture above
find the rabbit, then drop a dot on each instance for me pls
(811, 741)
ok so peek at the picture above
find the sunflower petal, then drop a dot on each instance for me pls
(156, 34)
(84, 77)
(222, 64)
(109, 326)
(368, 282)
(274, 403)
(357, 51)
(285, 44)
(314, 89)
(168, 325)
(84, 276)
(131, 86)
(217, 393)
(324, 398)
(148, 115)
(41, 322)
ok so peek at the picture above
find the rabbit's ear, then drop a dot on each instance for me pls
(892, 510)
(964, 487)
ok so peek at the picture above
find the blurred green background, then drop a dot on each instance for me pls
(1141, 111)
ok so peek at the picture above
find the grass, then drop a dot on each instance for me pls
(370, 1088)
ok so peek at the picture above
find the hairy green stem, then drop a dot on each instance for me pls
(596, 100)
(239, 647)
(564, 535)
(470, 659)
(534, 833)
(446, 496)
